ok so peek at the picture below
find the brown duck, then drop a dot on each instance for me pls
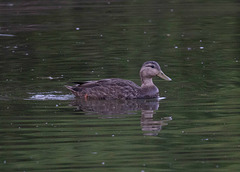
(115, 88)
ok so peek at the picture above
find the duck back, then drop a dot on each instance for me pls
(113, 88)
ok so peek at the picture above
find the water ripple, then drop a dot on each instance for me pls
(53, 95)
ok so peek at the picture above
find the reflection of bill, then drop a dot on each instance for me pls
(120, 108)
(149, 126)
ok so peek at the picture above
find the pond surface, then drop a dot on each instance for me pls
(45, 45)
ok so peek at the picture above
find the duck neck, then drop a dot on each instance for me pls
(148, 89)
(146, 82)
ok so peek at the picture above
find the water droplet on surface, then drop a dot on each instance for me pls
(77, 28)
(103, 163)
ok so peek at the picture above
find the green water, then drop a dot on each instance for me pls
(44, 45)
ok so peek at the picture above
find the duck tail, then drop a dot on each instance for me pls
(70, 88)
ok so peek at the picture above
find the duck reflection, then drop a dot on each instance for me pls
(120, 108)
(149, 126)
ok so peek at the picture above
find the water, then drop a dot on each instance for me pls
(45, 45)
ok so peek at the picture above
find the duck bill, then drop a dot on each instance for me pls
(163, 76)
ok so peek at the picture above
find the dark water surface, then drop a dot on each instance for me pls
(46, 44)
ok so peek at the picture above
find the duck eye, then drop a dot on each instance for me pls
(152, 66)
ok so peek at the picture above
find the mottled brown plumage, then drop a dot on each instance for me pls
(116, 88)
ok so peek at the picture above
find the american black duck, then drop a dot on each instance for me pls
(116, 88)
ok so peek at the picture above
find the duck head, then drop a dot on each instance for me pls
(149, 70)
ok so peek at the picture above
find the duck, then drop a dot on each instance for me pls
(116, 88)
